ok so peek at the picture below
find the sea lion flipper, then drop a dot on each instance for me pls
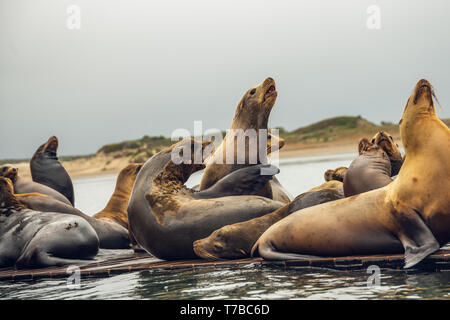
(267, 250)
(245, 181)
(416, 237)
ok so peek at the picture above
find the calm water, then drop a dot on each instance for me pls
(250, 282)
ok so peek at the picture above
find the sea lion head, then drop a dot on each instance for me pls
(420, 106)
(254, 108)
(8, 202)
(50, 147)
(10, 172)
(386, 142)
(224, 243)
(337, 174)
(128, 174)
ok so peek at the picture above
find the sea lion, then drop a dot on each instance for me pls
(410, 215)
(337, 174)
(47, 170)
(235, 241)
(116, 208)
(166, 218)
(31, 239)
(378, 160)
(23, 185)
(252, 113)
(111, 224)
(387, 143)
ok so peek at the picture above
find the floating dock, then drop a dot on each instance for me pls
(131, 262)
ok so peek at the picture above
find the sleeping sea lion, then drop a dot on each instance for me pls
(410, 215)
(235, 241)
(111, 224)
(31, 239)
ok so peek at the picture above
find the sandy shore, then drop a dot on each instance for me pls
(102, 164)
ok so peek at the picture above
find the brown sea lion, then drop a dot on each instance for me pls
(410, 215)
(23, 185)
(252, 113)
(47, 170)
(31, 239)
(235, 241)
(116, 208)
(337, 174)
(373, 168)
(166, 218)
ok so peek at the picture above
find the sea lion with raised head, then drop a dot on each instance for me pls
(251, 116)
(235, 241)
(410, 215)
(23, 185)
(31, 239)
(166, 218)
(378, 160)
(47, 170)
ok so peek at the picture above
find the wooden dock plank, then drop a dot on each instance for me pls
(440, 260)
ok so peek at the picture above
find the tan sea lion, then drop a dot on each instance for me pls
(337, 174)
(166, 217)
(23, 185)
(116, 208)
(235, 241)
(31, 239)
(410, 215)
(252, 113)
(378, 160)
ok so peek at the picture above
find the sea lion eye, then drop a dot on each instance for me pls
(373, 140)
(253, 91)
(391, 137)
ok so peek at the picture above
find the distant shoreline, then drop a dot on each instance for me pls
(99, 166)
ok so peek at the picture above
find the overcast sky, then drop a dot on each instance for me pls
(139, 68)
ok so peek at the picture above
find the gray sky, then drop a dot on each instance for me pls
(149, 67)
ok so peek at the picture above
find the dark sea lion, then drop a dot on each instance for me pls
(252, 113)
(31, 239)
(166, 218)
(111, 224)
(47, 170)
(410, 215)
(337, 174)
(23, 185)
(387, 143)
(378, 160)
(110, 234)
(235, 241)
